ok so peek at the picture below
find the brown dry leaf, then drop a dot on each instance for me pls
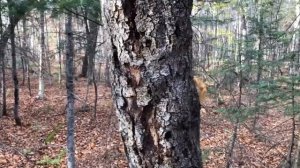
(86, 151)
(95, 139)
(3, 161)
(92, 145)
(41, 116)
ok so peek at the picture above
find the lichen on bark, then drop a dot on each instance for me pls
(155, 98)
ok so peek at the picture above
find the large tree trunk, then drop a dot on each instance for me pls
(297, 65)
(26, 60)
(3, 84)
(91, 13)
(4, 38)
(41, 92)
(155, 98)
(70, 93)
(2, 57)
(85, 64)
(14, 66)
(106, 73)
(3, 44)
(60, 47)
(91, 48)
(85, 61)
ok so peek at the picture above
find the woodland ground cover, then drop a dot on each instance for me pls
(40, 142)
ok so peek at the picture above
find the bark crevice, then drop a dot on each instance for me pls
(155, 97)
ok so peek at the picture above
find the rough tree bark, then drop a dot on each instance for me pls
(85, 61)
(41, 92)
(296, 47)
(14, 66)
(60, 48)
(3, 44)
(26, 6)
(106, 73)
(26, 60)
(3, 86)
(91, 48)
(155, 98)
(2, 57)
(92, 29)
(70, 93)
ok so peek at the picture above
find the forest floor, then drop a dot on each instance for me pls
(266, 147)
(40, 142)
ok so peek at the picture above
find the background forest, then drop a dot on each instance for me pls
(55, 77)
